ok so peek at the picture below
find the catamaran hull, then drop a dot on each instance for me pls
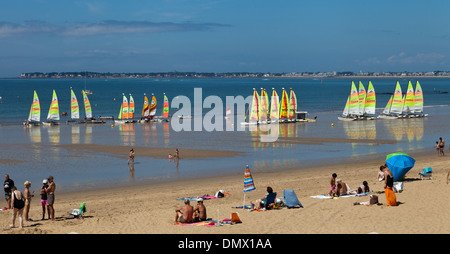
(50, 123)
(124, 121)
(346, 118)
(388, 117)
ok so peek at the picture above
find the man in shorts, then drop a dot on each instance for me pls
(184, 213)
(51, 197)
(7, 186)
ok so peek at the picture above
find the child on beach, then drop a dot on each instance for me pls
(333, 187)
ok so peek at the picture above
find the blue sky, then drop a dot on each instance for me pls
(223, 36)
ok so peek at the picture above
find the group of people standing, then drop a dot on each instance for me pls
(20, 202)
(440, 146)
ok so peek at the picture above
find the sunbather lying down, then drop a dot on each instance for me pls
(372, 201)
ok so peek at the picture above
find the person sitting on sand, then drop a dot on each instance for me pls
(380, 175)
(333, 185)
(363, 188)
(341, 188)
(267, 201)
(200, 211)
(184, 214)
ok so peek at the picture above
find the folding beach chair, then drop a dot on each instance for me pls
(427, 172)
(269, 201)
(78, 213)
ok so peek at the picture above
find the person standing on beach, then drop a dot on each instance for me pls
(441, 146)
(388, 187)
(333, 185)
(437, 148)
(177, 153)
(7, 187)
(51, 197)
(44, 202)
(18, 204)
(184, 214)
(28, 195)
(131, 156)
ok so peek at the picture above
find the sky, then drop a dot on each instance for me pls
(223, 36)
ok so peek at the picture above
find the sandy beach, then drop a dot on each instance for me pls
(149, 209)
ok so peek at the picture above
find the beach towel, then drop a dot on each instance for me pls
(244, 207)
(322, 196)
(390, 196)
(205, 197)
(207, 223)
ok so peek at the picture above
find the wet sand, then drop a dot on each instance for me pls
(149, 209)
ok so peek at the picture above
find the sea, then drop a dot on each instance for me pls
(34, 153)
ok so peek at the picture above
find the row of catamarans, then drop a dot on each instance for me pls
(265, 111)
(53, 116)
(126, 114)
(361, 104)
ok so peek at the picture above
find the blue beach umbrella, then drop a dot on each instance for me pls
(399, 165)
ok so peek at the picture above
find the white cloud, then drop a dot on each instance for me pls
(33, 28)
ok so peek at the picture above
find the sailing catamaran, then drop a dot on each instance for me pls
(166, 108)
(360, 104)
(409, 105)
(34, 118)
(351, 110)
(274, 107)
(124, 112)
(145, 111)
(53, 112)
(88, 118)
(74, 107)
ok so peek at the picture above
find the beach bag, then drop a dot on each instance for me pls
(398, 186)
(373, 200)
(235, 218)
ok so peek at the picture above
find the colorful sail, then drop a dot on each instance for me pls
(397, 101)
(35, 111)
(74, 108)
(292, 105)
(418, 100)
(274, 106)
(370, 100)
(284, 107)
(264, 105)
(120, 112)
(146, 107)
(387, 109)
(347, 107)
(131, 108)
(361, 98)
(124, 107)
(354, 100)
(166, 107)
(53, 113)
(249, 185)
(87, 105)
(409, 99)
(254, 111)
(153, 106)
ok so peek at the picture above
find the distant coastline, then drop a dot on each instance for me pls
(200, 75)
